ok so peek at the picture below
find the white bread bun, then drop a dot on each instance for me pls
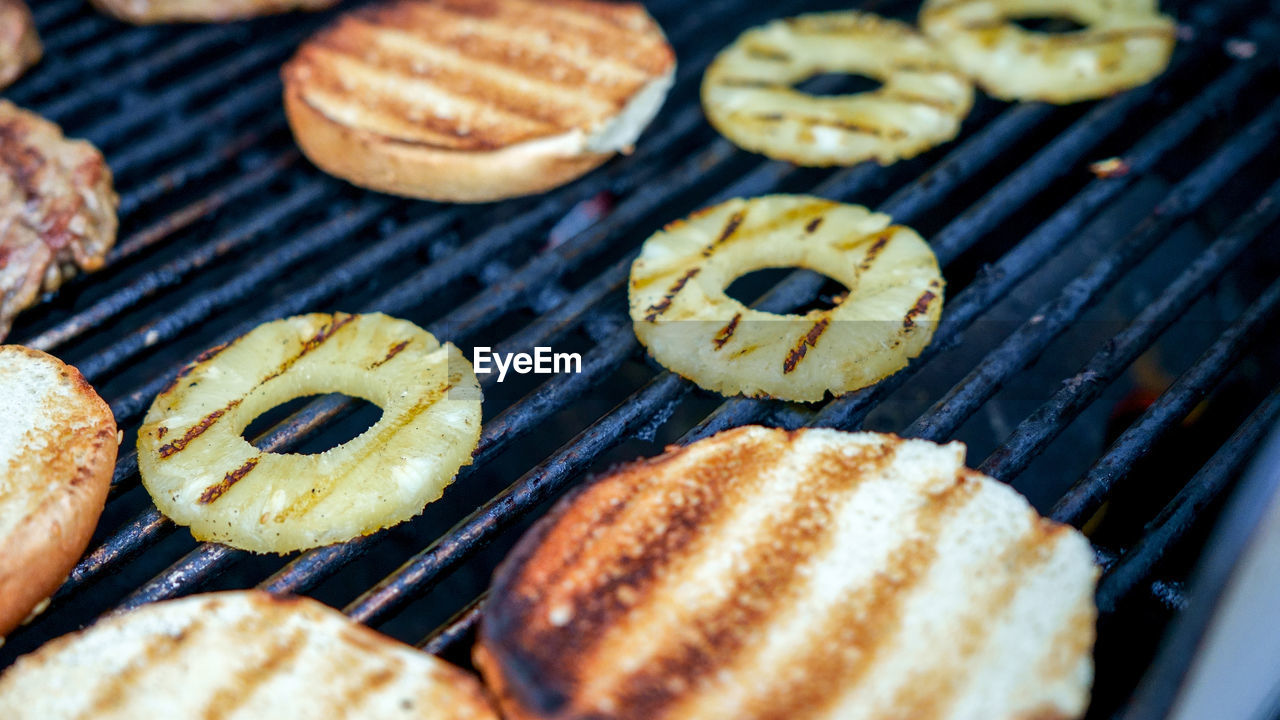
(146, 12)
(476, 100)
(236, 656)
(57, 450)
(815, 574)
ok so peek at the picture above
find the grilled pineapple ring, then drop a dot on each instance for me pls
(682, 314)
(1125, 43)
(748, 96)
(202, 473)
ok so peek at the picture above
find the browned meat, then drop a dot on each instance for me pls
(19, 45)
(159, 11)
(57, 209)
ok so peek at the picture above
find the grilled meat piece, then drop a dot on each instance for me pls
(816, 574)
(146, 12)
(57, 209)
(19, 44)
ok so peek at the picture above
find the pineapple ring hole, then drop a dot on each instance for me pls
(752, 285)
(828, 84)
(1049, 24)
(366, 415)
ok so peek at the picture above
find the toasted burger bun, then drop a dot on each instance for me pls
(145, 12)
(813, 574)
(236, 656)
(19, 44)
(476, 100)
(57, 451)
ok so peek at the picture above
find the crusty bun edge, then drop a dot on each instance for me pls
(213, 12)
(46, 545)
(426, 173)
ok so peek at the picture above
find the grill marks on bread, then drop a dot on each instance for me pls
(479, 74)
(58, 446)
(816, 564)
(236, 656)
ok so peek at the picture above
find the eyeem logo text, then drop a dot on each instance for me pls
(542, 362)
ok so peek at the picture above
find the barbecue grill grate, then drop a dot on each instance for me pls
(224, 226)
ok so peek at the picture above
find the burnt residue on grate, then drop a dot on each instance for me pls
(1108, 343)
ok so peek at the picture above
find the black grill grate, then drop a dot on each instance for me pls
(224, 226)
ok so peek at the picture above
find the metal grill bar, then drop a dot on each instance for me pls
(645, 188)
(1037, 431)
(1051, 319)
(420, 573)
(240, 287)
(178, 177)
(997, 279)
(49, 12)
(244, 100)
(1180, 515)
(146, 529)
(1087, 495)
(172, 273)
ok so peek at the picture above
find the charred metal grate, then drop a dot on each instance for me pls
(224, 226)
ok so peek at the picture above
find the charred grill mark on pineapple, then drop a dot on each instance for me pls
(910, 98)
(394, 351)
(215, 491)
(735, 221)
(768, 54)
(195, 431)
(814, 224)
(207, 421)
(853, 126)
(203, 357)
(325, 486)
(340, 320)
(727, 331)
(809, 340)
(874, 251)
(751, 83)
(920, 308)
(664, 304)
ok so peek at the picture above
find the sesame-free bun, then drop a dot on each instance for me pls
(814, 574)
(57, 452)
(476, 100)
(242, 655)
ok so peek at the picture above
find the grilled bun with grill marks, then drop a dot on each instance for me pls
(57, 451)
(476, 100)
(146, 12)
(814, 574)
(236, 656)
(20, 46)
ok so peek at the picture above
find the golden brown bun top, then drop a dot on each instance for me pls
(57, 451)
(815, 574)
(236, 656)
(477, 75)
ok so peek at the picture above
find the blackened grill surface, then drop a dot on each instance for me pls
(1108, 343)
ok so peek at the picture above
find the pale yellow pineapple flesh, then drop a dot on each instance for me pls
(682, 314)
(749, 94)
(1123, 44)
(202, 473)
